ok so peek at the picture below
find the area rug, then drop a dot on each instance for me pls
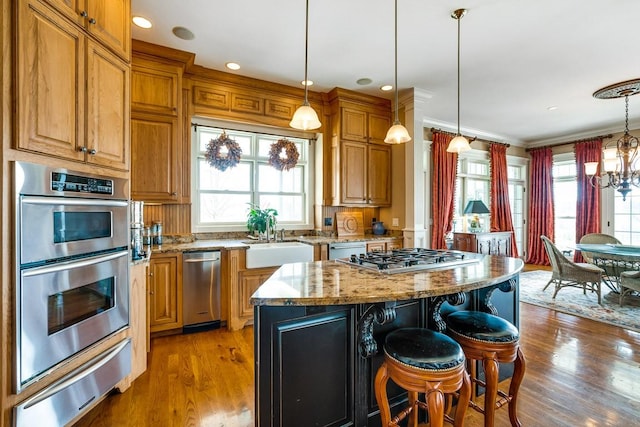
(573, 301)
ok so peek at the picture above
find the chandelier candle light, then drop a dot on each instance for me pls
(619, 161)
(459, 143)
(305, 117)
(397, 134)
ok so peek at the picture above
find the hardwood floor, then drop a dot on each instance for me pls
(579, 373)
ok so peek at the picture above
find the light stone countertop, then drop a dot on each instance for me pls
(332, 282)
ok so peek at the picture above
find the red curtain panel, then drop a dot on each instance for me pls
(540, 205)
(500, 206)
(588, 206)
(443, 185)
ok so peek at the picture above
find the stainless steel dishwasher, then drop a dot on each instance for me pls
(200, 290)
(346, 249)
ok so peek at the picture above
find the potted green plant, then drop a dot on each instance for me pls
(259, 219)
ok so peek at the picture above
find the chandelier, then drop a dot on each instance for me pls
(619, 161)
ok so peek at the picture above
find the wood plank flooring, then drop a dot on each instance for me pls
(579, 373)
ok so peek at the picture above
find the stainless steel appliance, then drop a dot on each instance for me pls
(346, 249)
(77, 392)
(410, 259)
(201, 290)
(72, 265)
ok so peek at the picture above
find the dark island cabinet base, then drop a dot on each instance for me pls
(309, 370)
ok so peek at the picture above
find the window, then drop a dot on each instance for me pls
(472, 183)
(627, 217)
(221, 199)
(565, 190)
(516, 177)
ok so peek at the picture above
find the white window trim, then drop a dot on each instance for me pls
(308, 224)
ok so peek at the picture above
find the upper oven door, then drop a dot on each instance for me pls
(59, 227)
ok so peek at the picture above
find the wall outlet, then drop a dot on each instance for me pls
(395, 222)
(328, 222)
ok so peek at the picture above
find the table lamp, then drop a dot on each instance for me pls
(475, 207)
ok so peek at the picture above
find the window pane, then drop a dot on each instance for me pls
(290, 208)
(233, 179)
(565, 231)
(226, 208)
(565, 199)
(272, 180)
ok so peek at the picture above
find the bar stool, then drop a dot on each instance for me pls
(423, 361)
(492, 340)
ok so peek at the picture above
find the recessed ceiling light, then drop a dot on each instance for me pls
(364, 81)
(552, 108)
(232, 65)
(386, 88)
(141, 22)
(183, 33)
(307, 83)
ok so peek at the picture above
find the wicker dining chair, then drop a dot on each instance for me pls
(629, 283)
(566, 273)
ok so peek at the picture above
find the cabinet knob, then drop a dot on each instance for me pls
(174, 194)
(92, 21)
(84, 14)
(83, 149)
(92, 151)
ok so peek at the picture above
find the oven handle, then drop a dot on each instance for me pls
(74, 376)
(73, 264)
(38, 200)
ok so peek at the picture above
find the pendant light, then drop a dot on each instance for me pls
(305, 117)
(459, 143)
(397, 134)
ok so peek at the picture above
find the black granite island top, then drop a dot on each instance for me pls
(333, 282)
(319, 327)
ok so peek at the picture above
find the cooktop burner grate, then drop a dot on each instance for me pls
(409, 259)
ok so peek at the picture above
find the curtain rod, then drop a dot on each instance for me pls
(292, 134)
(593, 138)
(470, 138)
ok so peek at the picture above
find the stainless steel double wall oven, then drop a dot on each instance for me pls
(72, 265)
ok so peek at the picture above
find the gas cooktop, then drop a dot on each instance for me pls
(410, 259)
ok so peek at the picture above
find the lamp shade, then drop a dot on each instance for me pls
(591, 168)
(397, 134)
(305, 118)
(476, 207)
(458, 145)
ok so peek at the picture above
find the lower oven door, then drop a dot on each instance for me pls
(65, 307)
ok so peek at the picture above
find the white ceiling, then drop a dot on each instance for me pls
(518, 57)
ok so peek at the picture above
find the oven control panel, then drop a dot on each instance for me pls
(80, 184)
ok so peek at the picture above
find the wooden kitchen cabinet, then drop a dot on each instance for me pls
(107, 21)
(384, 245)
(138, 323)
(494, 243)
(360, 161)
(154, 156)
(249, 281)
(165, 292)
(72, 94)
(157, 124)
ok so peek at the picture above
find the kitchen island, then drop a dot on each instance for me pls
(319, 327)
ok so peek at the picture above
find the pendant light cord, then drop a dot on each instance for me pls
(306, 49)
(396, 61)
(459, 18)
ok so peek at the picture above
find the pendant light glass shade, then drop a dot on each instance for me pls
(459, 143)
(305, 117)
(397, 134)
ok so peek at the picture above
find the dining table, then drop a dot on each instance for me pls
(613, 258)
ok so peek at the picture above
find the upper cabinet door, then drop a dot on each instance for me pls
(51, 77)
(354, 124)
(107, 108)
(378, 127)
(107, 20)
(155, 87)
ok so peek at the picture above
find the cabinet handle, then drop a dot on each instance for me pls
(92, 21)
(92, 151)
(83, 149)
(84, 14)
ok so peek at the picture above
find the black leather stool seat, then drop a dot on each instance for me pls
(424, 349)
(482, 327)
